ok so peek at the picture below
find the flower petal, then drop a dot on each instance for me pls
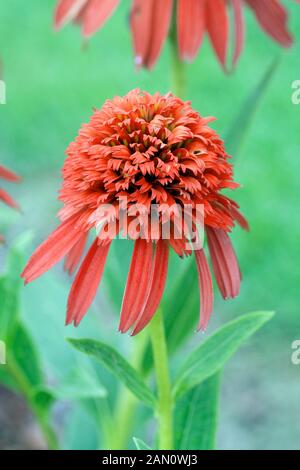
(66, 11)
(86, 282)
(224, 262)
(206, 289)
(190, 27)
(218, 27)
(272, 17)
(74, 255)
(138, 284)
(239, 29)
(96, 13)
(8, 175)
(57, 245)
(8, 200)
(241, 220)
(159, 277)
(150, 22)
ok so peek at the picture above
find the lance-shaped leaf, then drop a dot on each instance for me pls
(116, 364)
(240, 125)
(182, 304)
(10, 286)
(23, 358)
(213, 353)
(196, 416)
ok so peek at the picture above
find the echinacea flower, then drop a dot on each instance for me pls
(4, 196)
(151, 19)
(149, 151)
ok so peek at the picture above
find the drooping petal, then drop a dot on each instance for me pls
(52, 250)
(218, 27)
(75, 254)
(180, 246)
(190, 27)
(96, 13)
(232, 209)
(8, 175)
(206, 289)
(150, 22)
(239, 29)
(86, 282)
(8, 200)
(157, 287)
(224, 262)
(272, 17)
(138, 284)
(66, 11)
(241, 220)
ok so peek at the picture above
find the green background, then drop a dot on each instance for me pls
(53, 81)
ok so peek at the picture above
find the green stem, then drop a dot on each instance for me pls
(25, 389)
(107, 436)
(127, 402)
(125, 411)
(165, 401)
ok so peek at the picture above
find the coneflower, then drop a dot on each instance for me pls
(148, 151)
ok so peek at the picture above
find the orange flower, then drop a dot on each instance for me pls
(150, 151)
(151, 19)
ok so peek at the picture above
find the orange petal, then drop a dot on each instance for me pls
(239, 29)
(224, 262)
(96, 13)
(8, 175)
(74, 255)
(7, 199)
(272, 17)
(206, 289)
(57, 245)
(138, 284)
(190, 27)
(150, 22)
(86, 282)
(157, 286)
(218, 27)
(66, 11)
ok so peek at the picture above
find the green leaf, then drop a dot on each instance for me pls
(182, 304)
(118, 262)
(43, 398)
(10, 286)
(140, 445)
(23, 355)
(213, 353)
(80, 384)
(116, 364)
(240, 126)
(196, 416)
(6, 379)
(10, 305)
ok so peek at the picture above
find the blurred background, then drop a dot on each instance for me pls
(53, 82)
